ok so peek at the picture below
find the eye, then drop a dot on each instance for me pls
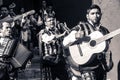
(92, 13)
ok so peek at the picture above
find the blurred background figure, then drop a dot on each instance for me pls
(11, 9)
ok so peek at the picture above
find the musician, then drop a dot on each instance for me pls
(4, 12)
(11, 9)
(99, 64)
(7, 44)
(50, 47)
(6, 19)
(12, 13)
(5, 16)
(5, 35)
(50, 11)
(43, 11)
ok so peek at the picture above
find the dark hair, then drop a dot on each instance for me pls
(3, 6)
(94, 6)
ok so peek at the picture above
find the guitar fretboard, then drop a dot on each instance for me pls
(108, 36)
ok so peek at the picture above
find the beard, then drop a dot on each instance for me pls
(95, 21)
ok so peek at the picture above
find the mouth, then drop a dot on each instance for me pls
(95, 20)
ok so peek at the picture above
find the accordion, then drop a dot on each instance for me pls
(15, 52)
(21, 56)
(7, 47)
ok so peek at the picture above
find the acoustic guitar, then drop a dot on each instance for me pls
(81, 53)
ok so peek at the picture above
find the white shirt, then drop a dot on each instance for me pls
(70, 38)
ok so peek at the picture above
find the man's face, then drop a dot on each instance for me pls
(50, 22)
(94, 16)
(4, 11)
(6, 29)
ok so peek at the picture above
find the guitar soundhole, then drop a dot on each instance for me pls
(92, 43)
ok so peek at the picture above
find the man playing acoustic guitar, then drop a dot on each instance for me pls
(89, 59)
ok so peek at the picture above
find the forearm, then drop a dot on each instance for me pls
(68, 40)
(108, 62)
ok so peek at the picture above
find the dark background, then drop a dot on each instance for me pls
(70, 11)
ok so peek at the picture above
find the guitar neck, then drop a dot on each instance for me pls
(108, 36)
(24, 14)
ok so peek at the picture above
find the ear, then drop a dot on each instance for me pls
(87, 16)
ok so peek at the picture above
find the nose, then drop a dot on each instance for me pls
(9, 29)
(95, 15)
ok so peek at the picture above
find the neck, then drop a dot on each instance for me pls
(95, 25)
(47, 28)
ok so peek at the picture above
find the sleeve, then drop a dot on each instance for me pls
(68, 40)
(73, 36)
(40, 42)
(107, 61)
(46, 38)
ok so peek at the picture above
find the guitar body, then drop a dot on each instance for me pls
(81, 53)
